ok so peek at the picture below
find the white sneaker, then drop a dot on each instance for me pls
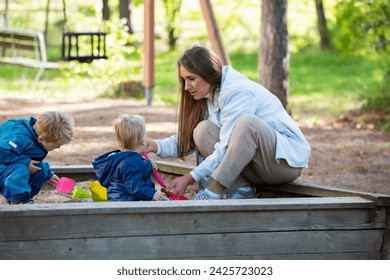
(206, 194)
(246, 192)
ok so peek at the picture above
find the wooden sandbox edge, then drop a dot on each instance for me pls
(86, 172)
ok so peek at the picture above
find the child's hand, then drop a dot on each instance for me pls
(159, 196)
(153, 158)
(154, 164)
(53, 180)
(32, 167)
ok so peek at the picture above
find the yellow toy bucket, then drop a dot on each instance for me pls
(99, 193)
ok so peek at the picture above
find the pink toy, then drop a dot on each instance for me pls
(157, 175)
(65, 185)
(160, 180)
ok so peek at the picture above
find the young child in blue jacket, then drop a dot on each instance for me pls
(23, 146)
(125, 173)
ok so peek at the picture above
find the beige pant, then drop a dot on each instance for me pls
(250, 156)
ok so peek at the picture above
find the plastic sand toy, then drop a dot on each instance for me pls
(159, 179)
(99, 193)
(80, 193)
(65, 185)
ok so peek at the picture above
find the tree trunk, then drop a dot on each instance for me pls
(274, 59)
(124, 13)
(322, 27)
(106, 10)
(213, 31)
(46, 31)
(172, 9)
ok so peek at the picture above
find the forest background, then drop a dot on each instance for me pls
(352, 68)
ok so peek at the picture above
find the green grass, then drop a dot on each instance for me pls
(324, 81)
(166, 89)
(333, 74)
(332, 82)
(319, 81)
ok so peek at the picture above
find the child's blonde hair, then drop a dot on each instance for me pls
(130, 132)
(55, 127)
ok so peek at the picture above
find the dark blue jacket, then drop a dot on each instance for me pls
(19, 144)
(126, 175)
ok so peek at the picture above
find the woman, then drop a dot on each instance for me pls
(242, 133)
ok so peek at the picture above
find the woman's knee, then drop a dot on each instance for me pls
(205, 128)
(205, 135)
(249, 123)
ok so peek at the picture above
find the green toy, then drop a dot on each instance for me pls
(80, 193)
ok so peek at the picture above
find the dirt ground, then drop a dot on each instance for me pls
(345, 153)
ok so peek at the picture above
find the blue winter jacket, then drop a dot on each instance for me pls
(19, 144)
(126, 175)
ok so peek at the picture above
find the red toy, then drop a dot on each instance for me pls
(160, 180)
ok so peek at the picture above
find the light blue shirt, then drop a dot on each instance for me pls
(240, 96)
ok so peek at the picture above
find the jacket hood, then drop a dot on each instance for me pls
(106, 165)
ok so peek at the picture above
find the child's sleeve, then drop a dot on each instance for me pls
(46, 170)
(11, 151)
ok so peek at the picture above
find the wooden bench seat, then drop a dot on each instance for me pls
(26, 48)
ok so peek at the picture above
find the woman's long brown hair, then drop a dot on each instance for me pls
(204, 62)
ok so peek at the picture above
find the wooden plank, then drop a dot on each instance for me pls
(148, 78)
(386, 236)
(117, 225)
(148, 44)
(221, 246)
(213, 31)
(297, 188)
(95, 220)
(222, 205)
(174, 167)
(76, 172)
(24, 37)
(73, 169)
(22, 46)
(29, 62)
(293, 187)
(320, 190)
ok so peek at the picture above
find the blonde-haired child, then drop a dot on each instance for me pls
(124, 172)
(23, 146)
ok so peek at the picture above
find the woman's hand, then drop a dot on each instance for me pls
(32, 167)
(180, 184)
(151, 147)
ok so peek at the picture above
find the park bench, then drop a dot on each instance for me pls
(25, 48)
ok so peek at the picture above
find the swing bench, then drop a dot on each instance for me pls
(72, 43)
